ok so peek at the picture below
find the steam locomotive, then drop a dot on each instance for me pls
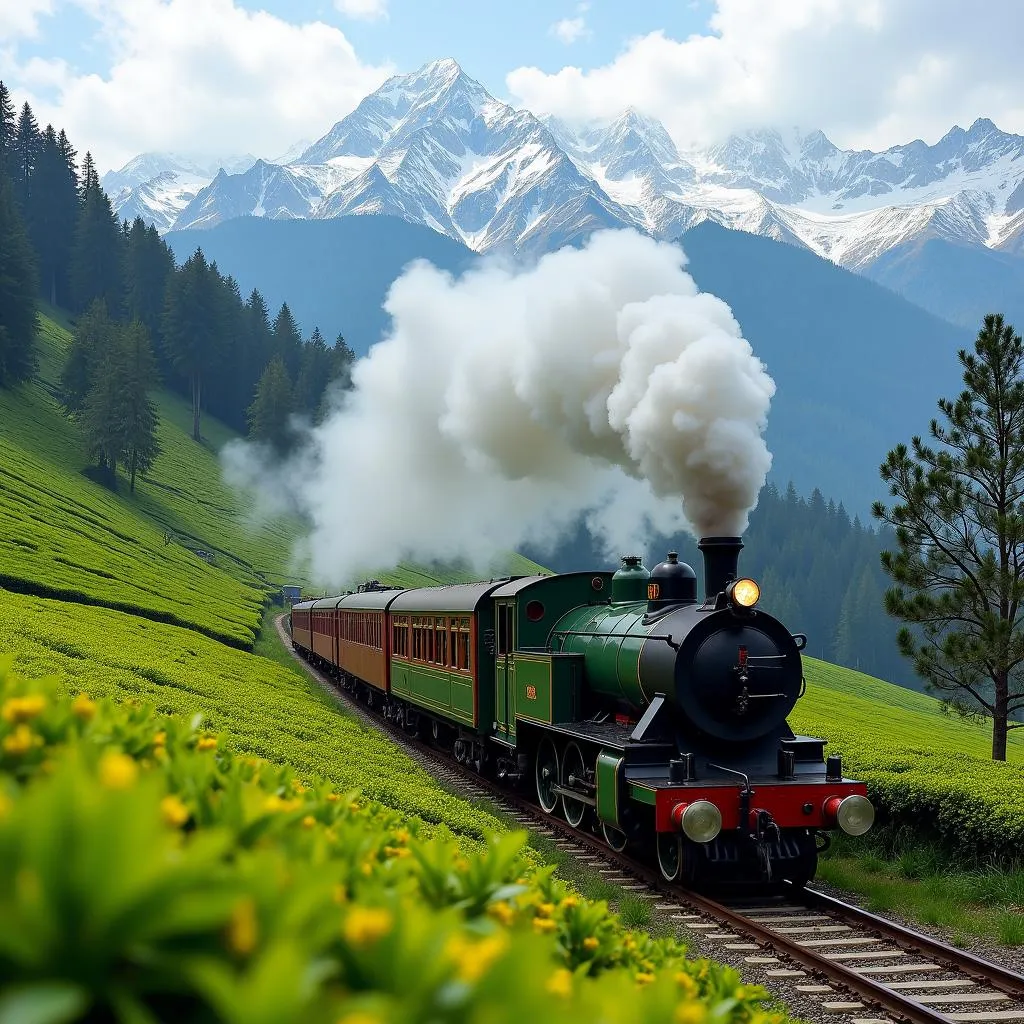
(623, 700)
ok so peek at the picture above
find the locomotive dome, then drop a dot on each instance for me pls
(671, 582)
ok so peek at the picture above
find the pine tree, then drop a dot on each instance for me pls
(94, 335)
(7, 130)
(958, 566)
(272, 406)
(148, 266)
(89, 179)
(340, 381)
(288, 340)
(18, 285)
(315, 371)
(97, 256)
(191, 327)
(53, 213)
(138, 413)
(27, 145)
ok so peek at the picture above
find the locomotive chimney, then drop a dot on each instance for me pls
(721, 557)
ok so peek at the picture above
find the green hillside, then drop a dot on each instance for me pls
(843, 703)
(64, 536)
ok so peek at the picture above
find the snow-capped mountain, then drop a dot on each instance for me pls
(158, 186)
(435, 148)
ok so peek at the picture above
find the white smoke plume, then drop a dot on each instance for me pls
(505, 403)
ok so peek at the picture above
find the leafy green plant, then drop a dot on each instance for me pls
(149, 872)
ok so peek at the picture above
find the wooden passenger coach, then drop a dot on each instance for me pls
(325, 633)
(364, 642)
(442, 651)
(302, 633)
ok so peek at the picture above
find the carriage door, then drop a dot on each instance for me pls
(504, 666)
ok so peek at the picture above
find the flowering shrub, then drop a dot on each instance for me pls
(149, 873)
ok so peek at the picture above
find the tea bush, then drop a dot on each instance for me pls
(150, 873)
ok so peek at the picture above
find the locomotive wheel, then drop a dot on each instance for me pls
(614, 838)
(547, 776)
(670, 855)
(572, 768)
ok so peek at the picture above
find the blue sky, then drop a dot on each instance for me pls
(234, 76)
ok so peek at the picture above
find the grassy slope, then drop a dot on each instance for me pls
(842, 701)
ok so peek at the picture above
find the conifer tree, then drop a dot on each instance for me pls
(958, 564)
(53, 213)
(191, 327)
(138, 413)
(97, 256)
(288, 340)
(272, 406)
(315, 371)
(94, 335)
(148, 266)
(18, 286)
(27, 145)
(7, 130)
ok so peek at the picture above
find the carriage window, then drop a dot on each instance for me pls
(441, 641)
(504, 628)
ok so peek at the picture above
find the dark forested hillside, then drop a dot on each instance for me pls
(139, 319)
(818, 569)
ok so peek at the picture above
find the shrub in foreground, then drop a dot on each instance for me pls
(148, 874)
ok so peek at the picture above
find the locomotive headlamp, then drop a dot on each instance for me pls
(854, 814)
(744, 593)
(700, 821)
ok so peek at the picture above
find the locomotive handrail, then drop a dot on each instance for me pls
(667, 637)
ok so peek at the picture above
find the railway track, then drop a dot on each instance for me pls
(854, 965)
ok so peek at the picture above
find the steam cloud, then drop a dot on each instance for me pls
(508, 402)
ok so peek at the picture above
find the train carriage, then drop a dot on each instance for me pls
(442, 660)
(301, 623)
(325, 630)
(364, 640)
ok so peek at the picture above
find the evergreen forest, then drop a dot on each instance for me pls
(139, 320)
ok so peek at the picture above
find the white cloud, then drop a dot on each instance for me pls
(199, 76)
(568, 30)
(870, 73)
(364, 10)
(21, 17)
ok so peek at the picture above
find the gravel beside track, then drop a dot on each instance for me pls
(824, 961)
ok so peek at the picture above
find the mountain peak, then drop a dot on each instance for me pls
(447, 67)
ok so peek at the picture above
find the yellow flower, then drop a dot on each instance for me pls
(207, 743)
(644, 978)
(367, 867)
(544, 909)
(365, 925)
(243, 928)
(174, 811)
(590, 943)
(275, 803)
(473, 958)
(333, 798)
(21, 741)
(118, 771)
(402, 836)
(686, 983)
(502, 911)
(308, 821)
(22, 709)
(83, 707)
(401, 852)
(560, 983)
(160, 739)
(361, 1017)
(691, 1013)
(569, 901)
(543, 924)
